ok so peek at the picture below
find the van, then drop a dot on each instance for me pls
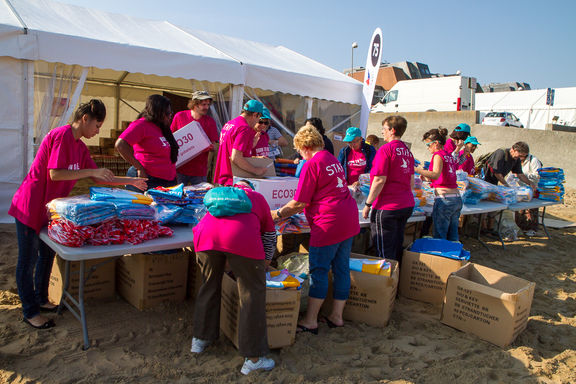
(450, 93)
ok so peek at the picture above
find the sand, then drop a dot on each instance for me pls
(153, 346)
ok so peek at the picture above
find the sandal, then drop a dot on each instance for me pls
(330, 323)
(302, 329)
(47, 324)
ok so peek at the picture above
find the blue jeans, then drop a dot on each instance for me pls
(190, 180)
(152, 182)
(33, 270)
(337, 258)
(445, 216)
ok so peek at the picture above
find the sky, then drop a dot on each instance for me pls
(495, 41)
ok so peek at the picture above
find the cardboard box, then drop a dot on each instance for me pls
(488, 303)
(256, 162)
(371, 299)
(423, 276)
(282, 307)
(100, 284)
(192, 140)
(146, 280)
(276, 190)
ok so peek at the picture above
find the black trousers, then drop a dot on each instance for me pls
(387, 229)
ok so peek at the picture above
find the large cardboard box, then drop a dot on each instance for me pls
(192, 140)
(276, 190)
(488, 303)
(371, 299)
(423, 276)
(256, 162)
(100, 284)
(282, 307)
(146, 280)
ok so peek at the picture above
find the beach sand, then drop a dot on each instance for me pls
(153, 346)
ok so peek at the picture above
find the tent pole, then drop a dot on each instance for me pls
(117, 100)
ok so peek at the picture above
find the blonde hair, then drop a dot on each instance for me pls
(308, 137)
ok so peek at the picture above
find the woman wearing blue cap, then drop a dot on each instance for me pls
(465, 159)
(456, 140)
(357, 157)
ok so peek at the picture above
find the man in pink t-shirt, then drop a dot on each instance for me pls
(195, 171)
(236, 143)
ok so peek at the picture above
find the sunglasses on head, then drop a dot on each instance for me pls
(264, 122)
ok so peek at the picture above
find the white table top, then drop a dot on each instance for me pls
(483, 206)
(182, 238)
(534, 203)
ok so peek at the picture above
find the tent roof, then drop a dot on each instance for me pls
(57, 32)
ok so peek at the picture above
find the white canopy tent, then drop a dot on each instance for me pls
(116, 57)
(530, 106)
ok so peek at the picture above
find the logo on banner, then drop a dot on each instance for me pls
(368, 78)
(376, 42)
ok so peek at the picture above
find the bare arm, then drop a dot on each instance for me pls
(438, 165)
(290, 208)
(375, 188)
(501, 178)
(98, 175)
(526, 180)
(282, 141)
(237, 158)
(127, 152)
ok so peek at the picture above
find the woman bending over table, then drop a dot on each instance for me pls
(62, 159)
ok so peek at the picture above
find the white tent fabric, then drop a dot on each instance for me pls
(530, 106)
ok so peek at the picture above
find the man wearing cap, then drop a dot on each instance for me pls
(457, 138)
(195, 170)
(236, 143)
(465, 159)
(357, 157)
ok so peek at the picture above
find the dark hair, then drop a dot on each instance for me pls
(157, 107)
(459, 135)
(398, 123)
(372, 140)
(521, 147)
(317, 123)
(95, 109)
(437, 134)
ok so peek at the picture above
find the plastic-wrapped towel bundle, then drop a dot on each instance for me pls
(67, 233)
(131, 211)
(285, 167)
(503, 195)
(417, 182)
(440, 247)
(282, 280)
(374, 267)
(81, 210)
(524, 194)
(191, 214)
(480, 186)
(167, 213)
(118, 195)
(175, 192)
(195, 193)
(550, 185)
(472, 198)
(294, 224)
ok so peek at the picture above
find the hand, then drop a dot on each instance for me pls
(296, 161)
(139, 183)
(104, 174)
(257, 137)
(365, 211)
(459, 143)
(355, 185)
(142, 174)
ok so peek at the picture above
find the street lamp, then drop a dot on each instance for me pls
(354, 45)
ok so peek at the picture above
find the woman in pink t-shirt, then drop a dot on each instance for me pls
(456, 140)
(390, 200)
(62, 159)
(465, 159)
(442, 173)
(148, 145)
(246, 242)
(333, 217)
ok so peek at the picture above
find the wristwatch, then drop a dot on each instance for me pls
(278, 213)
(369, 205)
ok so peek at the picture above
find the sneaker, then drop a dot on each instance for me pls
(262, 363)
(530, 233)
(199, 345)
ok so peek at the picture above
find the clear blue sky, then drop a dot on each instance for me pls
(494, 41)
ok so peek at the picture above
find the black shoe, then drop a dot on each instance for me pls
(47, 324)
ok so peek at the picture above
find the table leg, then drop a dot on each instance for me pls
(498, 230)
(543, 224)
(480, 220)
(65, 287)
(81, 284)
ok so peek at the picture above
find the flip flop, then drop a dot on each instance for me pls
(330, 323)
(49, 310)
(47, 324)
(302, 329)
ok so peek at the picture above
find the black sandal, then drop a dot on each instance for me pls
(47, 324)
(302, 329)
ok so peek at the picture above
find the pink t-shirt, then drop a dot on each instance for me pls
(468, 164)
(355, 166)
(331, 211)
(242, 232)
(395, 161)
(447, 178)
(262, 148)
(198, 166)
(58, 150)
(450, 146)
(236, 134)
(151, 148)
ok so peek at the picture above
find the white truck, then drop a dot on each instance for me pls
(449, 93)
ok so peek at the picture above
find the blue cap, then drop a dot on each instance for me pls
(351, 134)
(462, 127)
(472, 140)
(265, 113)
(253, 106)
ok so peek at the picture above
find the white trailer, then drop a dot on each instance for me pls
(450, 93)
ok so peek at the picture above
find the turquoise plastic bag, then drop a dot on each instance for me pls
(227, 201)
